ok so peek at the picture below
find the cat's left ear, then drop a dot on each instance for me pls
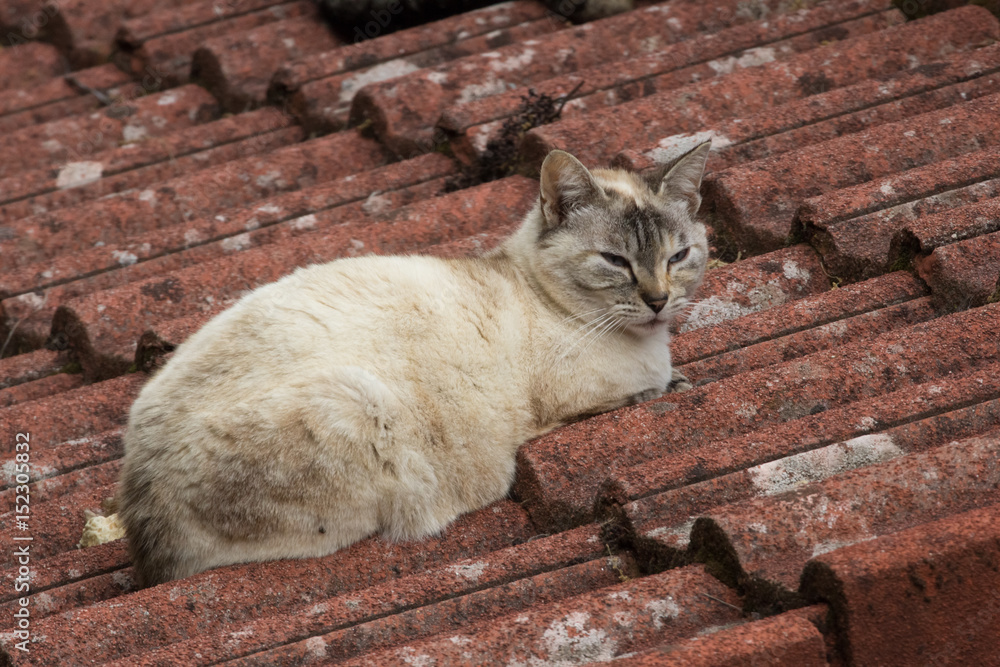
(681, 179)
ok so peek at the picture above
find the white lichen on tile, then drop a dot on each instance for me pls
(75, 174)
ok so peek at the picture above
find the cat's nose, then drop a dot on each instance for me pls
(656, 304)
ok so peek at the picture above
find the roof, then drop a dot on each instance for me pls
(828, 493)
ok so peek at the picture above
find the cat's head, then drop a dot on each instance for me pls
(619, 246)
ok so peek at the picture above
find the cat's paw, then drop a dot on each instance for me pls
(644, 396)
(678, 382)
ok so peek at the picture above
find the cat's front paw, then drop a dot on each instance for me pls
(644, 396)
(678, 382)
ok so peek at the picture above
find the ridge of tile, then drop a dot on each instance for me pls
(786, 640)
(373, 191)
(908, 419)
(83, 31)
(768, 541)
(135, 164)
(213, 600)
(169, 53)
(853, 227)
(470, 125)
(756, 203)
(404, 111)
(590, 627)
(958, 77)
(29, 366)
(103, 328)
(753, 90)
(56, 98)
(234, 183)
(560, 473)
(40, 388)
(925, 573)
(407, 608)
(237, 67)
(76, 137)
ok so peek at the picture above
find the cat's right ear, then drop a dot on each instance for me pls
(565, 184)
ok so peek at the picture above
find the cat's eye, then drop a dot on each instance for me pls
(679, 256)
(616, 260)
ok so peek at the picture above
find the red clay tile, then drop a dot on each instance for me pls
(755, 284)
(470, 125)
(355, 197)
(28, 367)
(69, 567)
(795, 316)
(593, 627)
(787, 640)
(955, 407)
(753, 90)
(27, 65)
(77, 413)
(40, 388)
(180, 199)
(164, 42)
(924, 234)
(237, 67)
(853, 227)
(863, 327)
(927, 595)
(77, 138)
(965, 273)
(658, 526)
(103, 328)
(769, 540)
(82, 30)
(403, 112)
(56, 98)
(71, 455)
(560, 473)
(139, 164)
(756, 203)
(70, 596)
(212, 601)
(319, 89)
(405, 42)
(957, 78)
(445, 599)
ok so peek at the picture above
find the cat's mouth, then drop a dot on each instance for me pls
(650, 326)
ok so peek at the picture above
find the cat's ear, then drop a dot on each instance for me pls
(681, 179)
(565, 184)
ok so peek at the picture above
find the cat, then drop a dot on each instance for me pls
(389, 394)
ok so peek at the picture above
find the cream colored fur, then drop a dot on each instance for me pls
(390, 394)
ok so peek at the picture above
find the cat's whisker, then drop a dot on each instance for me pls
(591, 328)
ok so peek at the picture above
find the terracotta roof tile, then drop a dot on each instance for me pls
(319, 89)
(853, 227)
(157, 46)
(403, 112)
(787, 640)
(139, 163)
(216, 600)
(592, 627)
(929, 567)
(469, 125)
(753, 90)
(838, 449)
(57, 98)
(237, 67)
(29, 64)
(441, 599)
(75, 139)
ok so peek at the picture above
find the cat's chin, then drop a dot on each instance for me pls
(649, 327)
